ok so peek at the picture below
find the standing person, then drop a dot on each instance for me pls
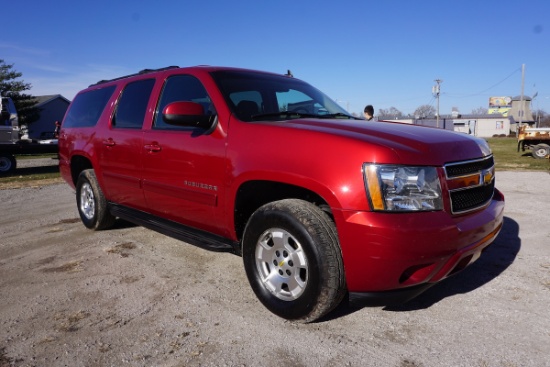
(57, 128)
(368, 112)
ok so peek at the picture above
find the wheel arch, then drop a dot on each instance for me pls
(251, 195)
(79, 163)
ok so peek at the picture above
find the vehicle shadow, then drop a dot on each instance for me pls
(494, 261)
(123, 224)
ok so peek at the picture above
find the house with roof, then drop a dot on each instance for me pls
(483, 126)
(52, 109)
(520, 112)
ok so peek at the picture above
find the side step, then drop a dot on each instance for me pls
(193, 236)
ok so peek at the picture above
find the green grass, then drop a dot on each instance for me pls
(37, 175)
(507, 157)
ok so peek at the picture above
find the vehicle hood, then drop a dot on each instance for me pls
(410, 144)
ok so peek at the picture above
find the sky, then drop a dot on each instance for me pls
(384, 53)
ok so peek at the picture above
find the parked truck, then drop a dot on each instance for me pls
(536, 139)
(11, 143)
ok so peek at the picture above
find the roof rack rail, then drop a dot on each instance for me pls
(146, 71)
(141, 72)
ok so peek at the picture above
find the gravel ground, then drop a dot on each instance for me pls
(132, 297)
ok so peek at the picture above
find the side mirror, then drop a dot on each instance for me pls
(187, 114)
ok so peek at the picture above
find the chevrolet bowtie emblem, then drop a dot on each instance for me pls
(488, 176)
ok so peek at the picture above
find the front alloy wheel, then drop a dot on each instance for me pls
(282, 264)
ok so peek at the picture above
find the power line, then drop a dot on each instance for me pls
(485, 90)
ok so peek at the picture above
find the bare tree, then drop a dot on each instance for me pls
(424, 111)
(542, 118)
(480, 111)
(390, 112)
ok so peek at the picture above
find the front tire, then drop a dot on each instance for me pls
(91, 203)
(293, 261)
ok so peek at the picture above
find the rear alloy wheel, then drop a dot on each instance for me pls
(91, 203)
(292, 258)
(540, 151)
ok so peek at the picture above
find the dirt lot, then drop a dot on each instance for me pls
(130, 296)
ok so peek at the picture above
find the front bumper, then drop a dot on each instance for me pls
(398, 254)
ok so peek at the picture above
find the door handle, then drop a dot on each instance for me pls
(109, 142)
(152, 148)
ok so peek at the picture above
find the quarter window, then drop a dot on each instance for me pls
(87, 107)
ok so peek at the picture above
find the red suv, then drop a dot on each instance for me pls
(318, 203)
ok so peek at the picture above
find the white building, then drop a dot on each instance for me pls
(484, 126)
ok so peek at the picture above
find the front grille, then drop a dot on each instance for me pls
(466, 168)
(476, 191)
(470, 199)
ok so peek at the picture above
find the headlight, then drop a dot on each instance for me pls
(402, 188)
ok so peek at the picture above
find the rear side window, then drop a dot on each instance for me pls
(87, 107)
(132, 104)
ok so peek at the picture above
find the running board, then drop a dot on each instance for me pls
(192, 236)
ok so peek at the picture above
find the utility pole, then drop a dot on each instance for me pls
(436, 91)
(521, 98)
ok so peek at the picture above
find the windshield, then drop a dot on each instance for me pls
(256, 96)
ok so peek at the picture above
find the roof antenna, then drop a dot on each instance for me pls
(289, 73)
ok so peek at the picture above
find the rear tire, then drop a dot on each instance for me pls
(91, 203)
(540, 151)
(7, 163)
(293, 261)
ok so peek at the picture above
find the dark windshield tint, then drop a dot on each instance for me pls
(254, 96)
(87, 107)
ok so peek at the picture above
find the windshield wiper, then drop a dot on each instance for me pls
(338, 115)
(285, 114)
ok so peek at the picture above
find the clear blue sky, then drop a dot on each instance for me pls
(385, 53)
